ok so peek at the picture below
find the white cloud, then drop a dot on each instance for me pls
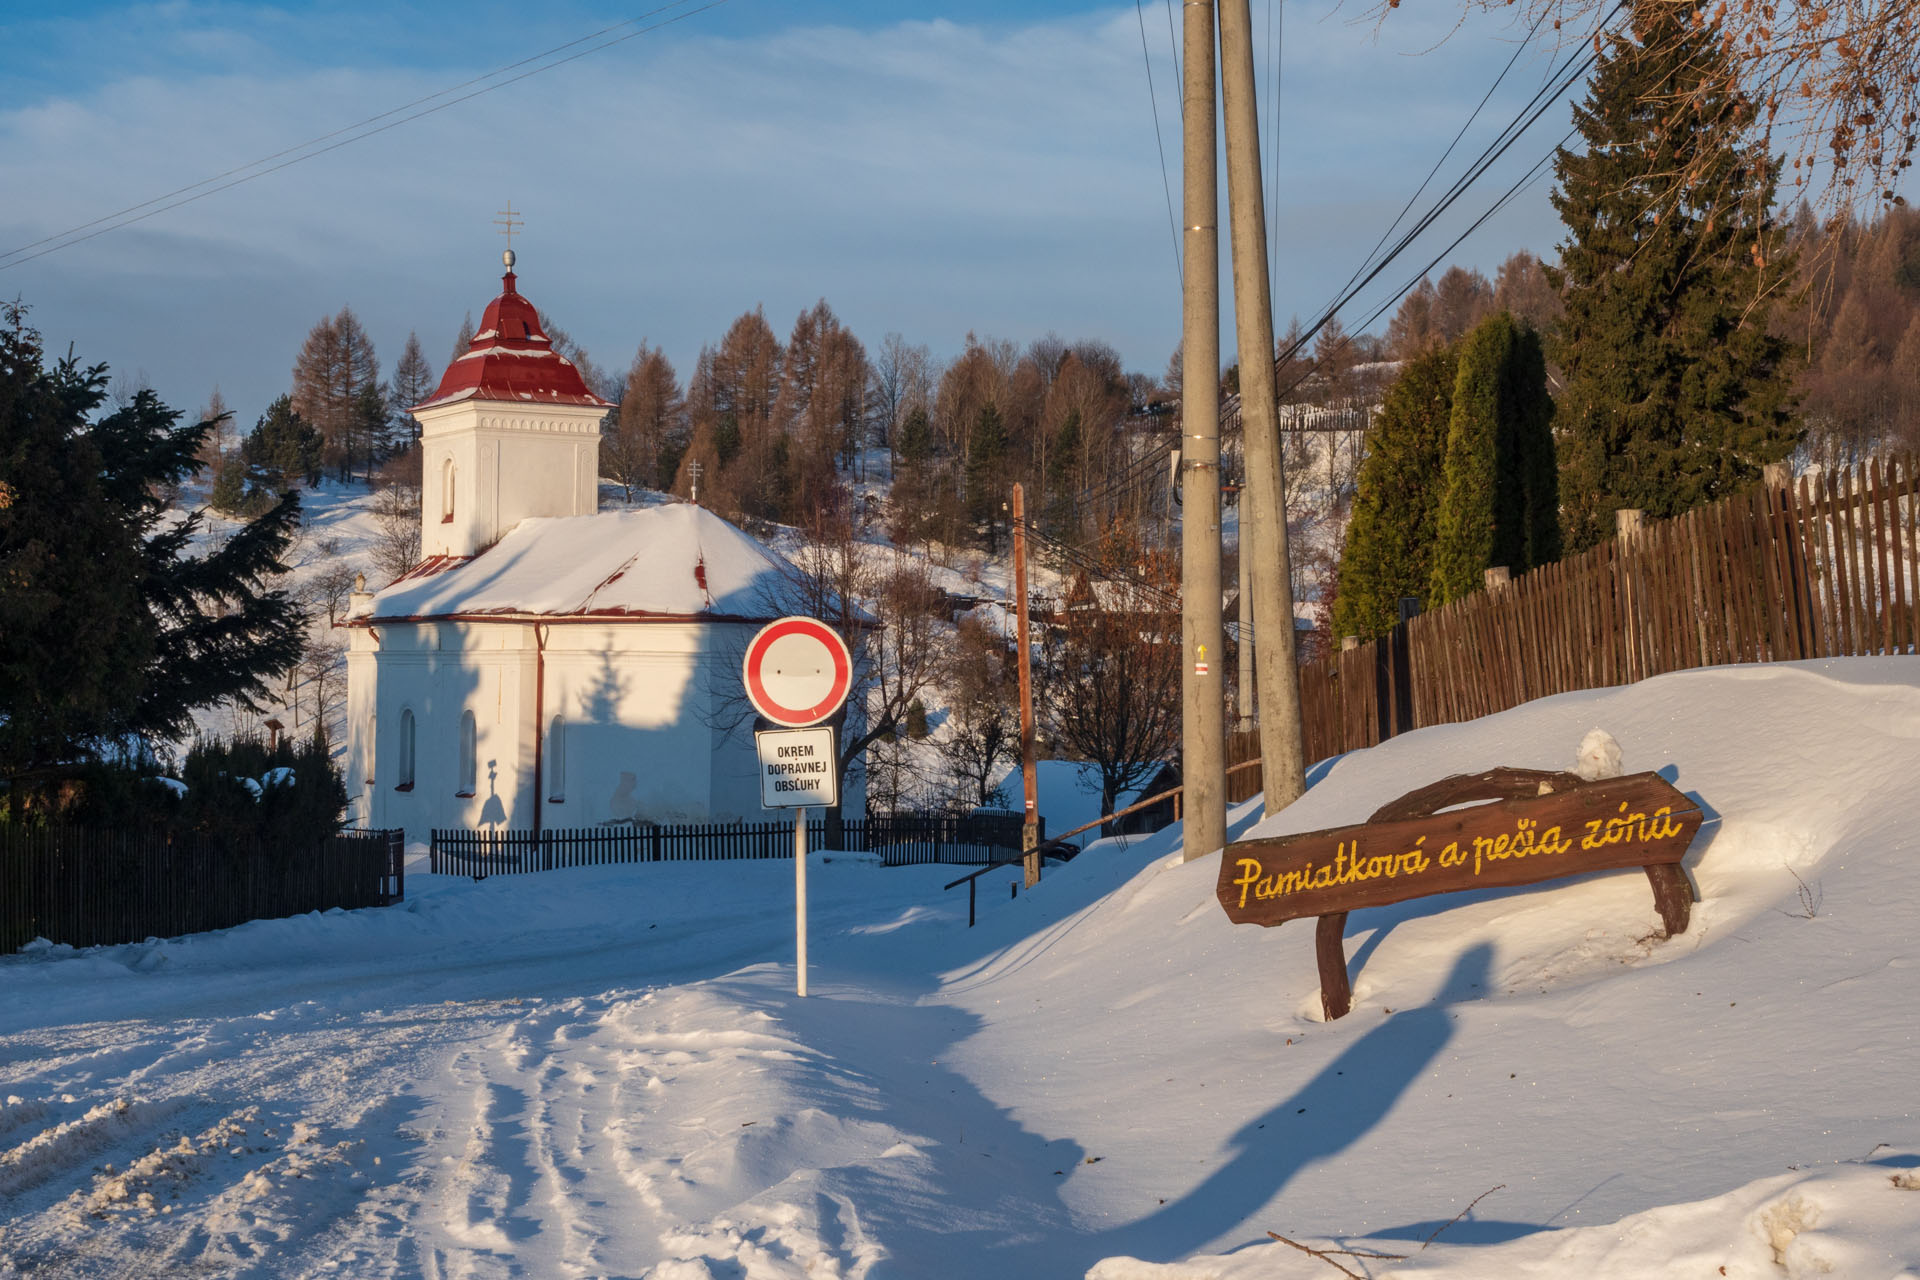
(930, 177)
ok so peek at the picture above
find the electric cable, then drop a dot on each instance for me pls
(357, 132)
(1569, 73)
(1166, 184)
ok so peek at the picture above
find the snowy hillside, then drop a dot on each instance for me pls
(605, 1072)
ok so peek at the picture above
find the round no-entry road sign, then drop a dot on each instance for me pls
(797, 671)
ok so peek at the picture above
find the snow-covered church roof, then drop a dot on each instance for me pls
(672, 562)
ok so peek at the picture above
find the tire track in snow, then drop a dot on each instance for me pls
(162, 1170)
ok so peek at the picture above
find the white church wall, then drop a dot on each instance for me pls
(439, 672)
(453, 521)
(652, 725)
(361, 731)
(546, 466)
(505, 466)
(637, 745)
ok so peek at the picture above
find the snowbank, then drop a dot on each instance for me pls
(605, 1071)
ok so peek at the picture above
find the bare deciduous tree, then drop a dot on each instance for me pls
(323, 674)
(396, 516)
(903, 380)
(887, 609)
(983, 721)
(1110, 671)
(1837, 84)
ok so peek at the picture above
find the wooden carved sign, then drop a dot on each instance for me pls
(1542, 826)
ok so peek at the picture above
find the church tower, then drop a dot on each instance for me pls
(512, 431)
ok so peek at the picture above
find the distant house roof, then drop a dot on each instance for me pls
(512, 359)
(674, 562)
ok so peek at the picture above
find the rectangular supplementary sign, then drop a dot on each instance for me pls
(797, 768)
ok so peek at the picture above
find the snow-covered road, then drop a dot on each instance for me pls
(605, 1072)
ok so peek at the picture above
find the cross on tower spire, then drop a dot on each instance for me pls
(508, 224)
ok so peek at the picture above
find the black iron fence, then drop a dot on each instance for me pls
(88, 886)
(900, 840)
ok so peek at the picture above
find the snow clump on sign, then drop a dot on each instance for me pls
(1598, 757)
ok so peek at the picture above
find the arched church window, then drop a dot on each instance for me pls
(406, 751)
(446, 492)
(557, 760)
(469, 755)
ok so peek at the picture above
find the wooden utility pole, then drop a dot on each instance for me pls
(1203, 705)
(1282, 746)
(1029, 789)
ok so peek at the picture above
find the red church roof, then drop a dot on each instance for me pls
(512, 359)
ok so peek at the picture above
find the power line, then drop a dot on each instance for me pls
(357, 132)
(1431, 173)
(1173, 226)
(1531, 176)
(1569, 72)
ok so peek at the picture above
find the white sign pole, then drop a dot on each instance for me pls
(800, 898)
(798, 672)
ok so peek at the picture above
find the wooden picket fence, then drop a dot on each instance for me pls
(92, 887)
(1824, 567)
(900, 840)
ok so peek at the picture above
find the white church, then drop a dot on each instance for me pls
(547, 665)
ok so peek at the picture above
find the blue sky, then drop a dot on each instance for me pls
(928, 169)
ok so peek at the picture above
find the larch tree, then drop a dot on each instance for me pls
(1859, 318)
(335, 377)
(731, 398)
(821, 407)
(1675, 390)
(647, 437)
(1388, 553)
(1523, 287)
(1461, 300)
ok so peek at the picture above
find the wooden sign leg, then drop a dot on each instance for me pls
(1672, 896)
(1336, 996)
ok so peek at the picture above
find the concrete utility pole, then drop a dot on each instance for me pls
(1203, 706)
(1245, 724)
(1282, 747)
(1029, 790)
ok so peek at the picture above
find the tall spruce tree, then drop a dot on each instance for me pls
(1499, 500)
(1675, 393)
(986, 461)
(284, 447)
(69, 668)
(413, 382)
(1389, 546)
(110, 628)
